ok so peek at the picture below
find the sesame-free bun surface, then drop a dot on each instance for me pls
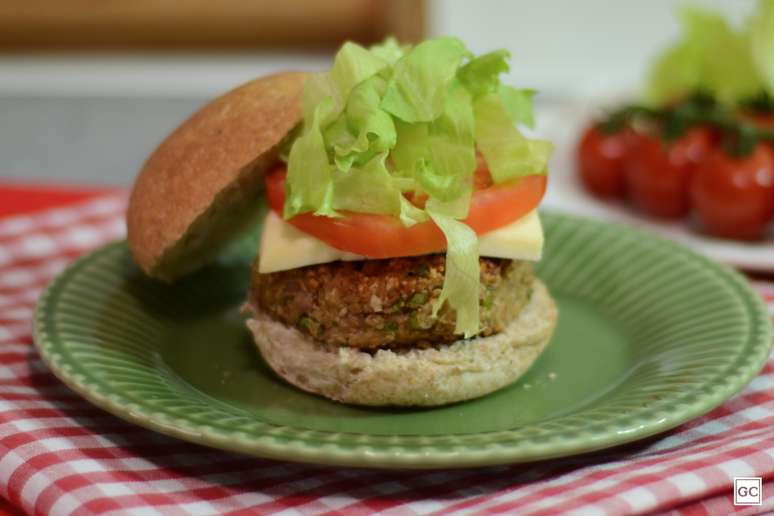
(198, 188)
(418, 377)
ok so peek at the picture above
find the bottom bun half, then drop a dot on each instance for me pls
(414, 377)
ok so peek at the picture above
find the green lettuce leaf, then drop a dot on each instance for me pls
(411, 214)
(440, 155)
(373, 125)
(353, 64)
(420, 78)
(508, 153)
(711, 56)
(410, 151)
(481, 75)
(761, 30)
(461, 284)
(367, 189)
(389, 50)
(518, 104)
(366, 129)
(341, 140)
(309, 154)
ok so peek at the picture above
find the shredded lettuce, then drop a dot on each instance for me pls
(440, 155)
(508, 153)
(394, 119)
(353, 64)
(389, 50)
(716, 58)
(481, 75)
(461, 281)
(420, 79)
(518, 103)
(367, 189)
(309, 153)
(366, 129)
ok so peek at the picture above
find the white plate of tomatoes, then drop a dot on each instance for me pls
(691, 189)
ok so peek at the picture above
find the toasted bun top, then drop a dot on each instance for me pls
(198, 186)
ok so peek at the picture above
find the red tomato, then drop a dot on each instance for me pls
(762, 120)
(384, 236)
(658, 175)
(601, 160)
(734, 196)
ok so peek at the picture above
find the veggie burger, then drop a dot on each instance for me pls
(395, 264)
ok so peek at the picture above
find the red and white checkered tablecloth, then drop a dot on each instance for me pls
(61, 455)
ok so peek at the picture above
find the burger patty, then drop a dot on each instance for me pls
(386, 303)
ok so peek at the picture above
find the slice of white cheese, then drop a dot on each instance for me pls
(522, 239)
(284, 247)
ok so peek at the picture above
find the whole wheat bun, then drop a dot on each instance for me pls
(199, 187)
(416, 377)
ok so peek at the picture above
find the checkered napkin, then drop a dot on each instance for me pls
(60, 455)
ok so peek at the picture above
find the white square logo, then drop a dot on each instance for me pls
(748, 491)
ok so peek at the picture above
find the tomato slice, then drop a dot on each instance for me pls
(384, 236)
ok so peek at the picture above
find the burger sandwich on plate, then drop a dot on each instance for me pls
(396, 257)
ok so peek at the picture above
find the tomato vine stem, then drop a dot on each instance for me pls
(740, 136)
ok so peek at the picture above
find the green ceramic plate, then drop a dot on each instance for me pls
(650, 335)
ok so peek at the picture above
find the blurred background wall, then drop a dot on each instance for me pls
(89, 87)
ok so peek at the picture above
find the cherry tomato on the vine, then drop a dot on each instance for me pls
(760, 120)
(658, 174)
(601, 158)
(733, 197)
